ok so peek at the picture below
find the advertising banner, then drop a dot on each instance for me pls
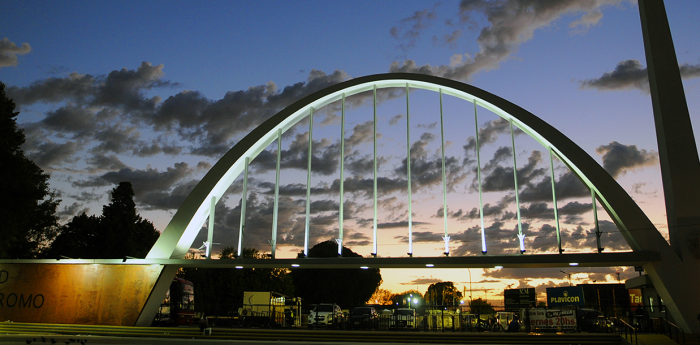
(565, 296)
(515, 299)
(541, 318)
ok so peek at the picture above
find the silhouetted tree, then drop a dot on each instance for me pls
(346, 287)
(118, 233)
(27, 206)
(222, 288)
(401, 299)
(480, 306)
(78, 239)
(381, 297)
(123, 229)
(443, 293)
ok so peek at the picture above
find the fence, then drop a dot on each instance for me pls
(444, 319)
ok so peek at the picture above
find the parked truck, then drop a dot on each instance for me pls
(267, 309)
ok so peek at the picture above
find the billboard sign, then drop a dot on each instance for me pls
(565, 296)
(515, 299)
(636, 298)
(541, 318)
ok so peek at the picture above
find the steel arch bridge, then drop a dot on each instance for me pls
(649, 248)
(178, 237)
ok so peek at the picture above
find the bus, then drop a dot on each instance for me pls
(177, 308)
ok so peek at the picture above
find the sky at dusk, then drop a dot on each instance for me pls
(156, 92)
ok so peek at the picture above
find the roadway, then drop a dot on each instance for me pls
(23, 333)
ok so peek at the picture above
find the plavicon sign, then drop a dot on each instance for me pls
(565, 296)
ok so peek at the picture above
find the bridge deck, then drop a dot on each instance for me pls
(636, 258)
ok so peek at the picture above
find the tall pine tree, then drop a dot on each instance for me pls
(27, 205)
(117, 233)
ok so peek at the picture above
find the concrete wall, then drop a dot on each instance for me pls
(75, 294)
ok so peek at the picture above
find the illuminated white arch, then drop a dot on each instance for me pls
(178, 236)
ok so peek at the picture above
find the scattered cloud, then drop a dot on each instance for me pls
(71, 210)
(618, 159)
(86, 196)
(99, 162)
(583, 275)
(167, 200)
(49, 154)
(9, 51)
(511, 23)
(214, 125)
(567, 186)
(497, 178)
(584, 23)
(488, 134)
(395, 119)
(423, 281)
(143, 181)
(409, 30)
(448, 40)
(123, 89)
(689, 71)
(53, 69)
(630, 74)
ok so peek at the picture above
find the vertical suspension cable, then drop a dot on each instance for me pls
(446, 238)
(374, 246)
(275, 210)
(308, 184)
(595, 220)
(554, 199)
(478, 175)
(244, 199)
(339, 240)
(210, 228)
(521, 237)
(408, 171)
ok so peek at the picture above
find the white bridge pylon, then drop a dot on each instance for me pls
(667, 272)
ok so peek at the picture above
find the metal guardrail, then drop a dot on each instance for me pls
(672, 330)
(629, 331)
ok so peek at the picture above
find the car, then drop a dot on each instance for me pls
(326, 315)
(591, 320)
(403, 318)
(364, 317)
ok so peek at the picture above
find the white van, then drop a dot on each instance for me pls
(403, 318)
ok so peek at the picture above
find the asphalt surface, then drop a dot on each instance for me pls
(18, 333)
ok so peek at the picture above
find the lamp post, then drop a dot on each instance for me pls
(569, 274)
(470, 284)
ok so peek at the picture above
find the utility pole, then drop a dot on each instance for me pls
(569, 274)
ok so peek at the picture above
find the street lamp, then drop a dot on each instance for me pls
(410, 297)
(470, 284)
(569, 274)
